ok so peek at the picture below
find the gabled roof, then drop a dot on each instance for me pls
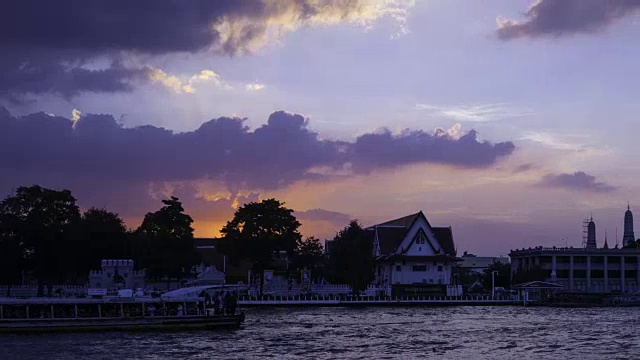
(405, 221)
(444, 235)
(390, 238)
(391, 233)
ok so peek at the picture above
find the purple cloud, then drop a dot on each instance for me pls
(565, 17)
(577, 181)
(111, 164)
(522, 168)
(20, 76)
(384, 149)
(52, 46)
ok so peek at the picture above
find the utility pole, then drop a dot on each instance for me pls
(493, 284)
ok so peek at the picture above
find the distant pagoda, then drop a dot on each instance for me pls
(628, 237)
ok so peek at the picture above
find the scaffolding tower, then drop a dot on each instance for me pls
(585, 232)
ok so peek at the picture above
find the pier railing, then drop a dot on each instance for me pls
(347, 300)
(32, 290)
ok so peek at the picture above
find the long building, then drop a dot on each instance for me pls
(588, 269)
(582, 269)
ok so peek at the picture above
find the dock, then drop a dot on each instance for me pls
(319, 301)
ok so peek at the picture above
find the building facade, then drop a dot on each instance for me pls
(409, 251)
(588, 269)
(582, 269)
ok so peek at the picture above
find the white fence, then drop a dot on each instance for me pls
(335, 290)
(32, 290)
(317, 289)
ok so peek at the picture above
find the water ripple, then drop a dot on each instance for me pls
(381, 333)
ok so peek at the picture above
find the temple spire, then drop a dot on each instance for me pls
(591, 234)
(606, 244)
(628, 236)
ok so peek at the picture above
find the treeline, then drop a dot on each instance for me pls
(45, 236)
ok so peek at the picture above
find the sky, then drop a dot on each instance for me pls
(510, 121)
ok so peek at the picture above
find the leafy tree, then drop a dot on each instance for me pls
(11, 251)
(534, 273)
(165, 242)
(42, 219)
(310, 255)
(258, 231)
(351, 258)
(465, 276)
(502, 277)
(103, 236)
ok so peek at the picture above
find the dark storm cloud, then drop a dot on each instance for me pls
(97, 150)
(44, 76)
(385, 149)
(564, 17)
(148, 26)
(49, 46)
(576, 181)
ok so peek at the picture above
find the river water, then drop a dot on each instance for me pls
(367, 333)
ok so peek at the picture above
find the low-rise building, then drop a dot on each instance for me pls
(587, 269)
(412, 256)
(477, 264)
(581, 269)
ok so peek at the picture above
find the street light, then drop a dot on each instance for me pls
(493, 284)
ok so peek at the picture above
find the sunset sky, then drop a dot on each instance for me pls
(511, 121)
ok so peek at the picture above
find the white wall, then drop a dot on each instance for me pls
(406, 275)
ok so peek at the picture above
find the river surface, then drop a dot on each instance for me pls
(367, 333)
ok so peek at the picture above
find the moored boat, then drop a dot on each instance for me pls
(181, 310)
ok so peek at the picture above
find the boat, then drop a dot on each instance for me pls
(182, 309)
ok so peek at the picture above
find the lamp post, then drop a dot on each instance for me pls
(493, 286)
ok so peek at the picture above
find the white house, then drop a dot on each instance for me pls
(412, 256)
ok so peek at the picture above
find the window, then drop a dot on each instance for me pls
(439, 267)
(419, 268)
(398, 268)
(420, 238)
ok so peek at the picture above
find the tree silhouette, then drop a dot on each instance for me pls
(165, 242)
(310, 255)
(351, 258)
(104, 236)
(11, 251)
(534, 273)
(501, 279)
(42, 219)
(258, 231)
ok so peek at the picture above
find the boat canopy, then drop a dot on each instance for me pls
(193, 292)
